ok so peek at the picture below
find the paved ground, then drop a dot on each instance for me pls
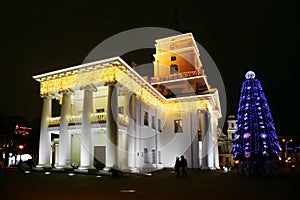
(160, 185)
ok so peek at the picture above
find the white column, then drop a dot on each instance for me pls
(64, 135)
(216, 156)
(210, 144)
(204, 128)
(131, 133)
(140, 113)
(112, 127)
(137, 138)
(45, 138)
(214, 125)
(156, 141)
(123, 136)
(87, 151)
(194, 121)
(123, 148)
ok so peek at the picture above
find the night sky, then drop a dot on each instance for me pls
(263, 36)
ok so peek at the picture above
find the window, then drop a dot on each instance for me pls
(173, 69)
(100, 110)
(146, 118)
(153, 156)
(178, 126)
(173, 58)
(146, 155)
(199, 135)
(152, 122)
(159, 157)
(232, 136)
(121, 110)
(158, 125)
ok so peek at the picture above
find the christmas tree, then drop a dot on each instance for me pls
(255, 142)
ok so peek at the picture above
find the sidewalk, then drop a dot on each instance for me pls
(161, 184)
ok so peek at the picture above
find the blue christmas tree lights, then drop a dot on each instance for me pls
(255, 137)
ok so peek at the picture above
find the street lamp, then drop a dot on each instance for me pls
(21, 147)
(286, 151)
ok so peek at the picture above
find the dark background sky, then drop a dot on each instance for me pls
(263, 36)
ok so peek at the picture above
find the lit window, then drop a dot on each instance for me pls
(153, 156)
(152, 122)
(178, 126)
(146, 155)
(173, 69)
(158, 125)
(121, 110)
(100, 110)
(159, 157)
(146, 118)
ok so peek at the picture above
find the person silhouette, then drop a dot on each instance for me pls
(177, 166)
(183, 164)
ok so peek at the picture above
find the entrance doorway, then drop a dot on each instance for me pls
(54, 155)
(99, 157)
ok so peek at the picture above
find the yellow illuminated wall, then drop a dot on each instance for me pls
(183, 48)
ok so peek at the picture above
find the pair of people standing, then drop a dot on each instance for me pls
(181, 166)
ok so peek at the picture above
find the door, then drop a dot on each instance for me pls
(99, 157)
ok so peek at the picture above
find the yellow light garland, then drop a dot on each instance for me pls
(119, 74)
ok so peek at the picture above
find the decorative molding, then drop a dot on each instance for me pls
(121, 73)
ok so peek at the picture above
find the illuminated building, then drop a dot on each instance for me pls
(225, 142)
(111, 113)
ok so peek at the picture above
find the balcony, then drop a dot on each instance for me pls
(96, 118)
(175, 76)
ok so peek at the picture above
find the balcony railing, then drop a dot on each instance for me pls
(75, 119)
(176, 76)
(99, 117)
(123, 119)
(96, 117)
(54, 120)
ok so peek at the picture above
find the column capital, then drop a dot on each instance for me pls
(66, 91)
(89, 87)
(110, 83)
(108, 76)
(46, 95)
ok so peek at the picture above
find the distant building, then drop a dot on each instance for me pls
(231, 123)
(225, 142)
(13, 144)
(110, 114)
(4, 144)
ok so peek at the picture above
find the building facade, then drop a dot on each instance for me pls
(225, 142)
(111, 114)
